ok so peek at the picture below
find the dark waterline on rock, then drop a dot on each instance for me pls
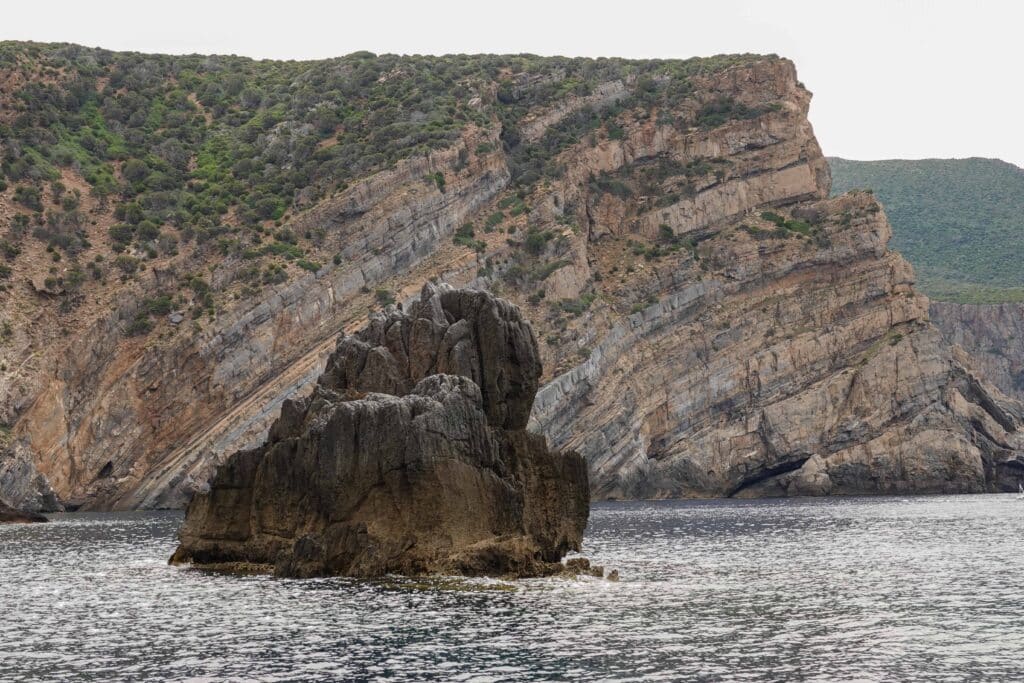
(912, 589)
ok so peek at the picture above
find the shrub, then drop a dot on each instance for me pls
(126, 264)
(159, 305)
(29, 197)
(140, 325)
(495, 218)
(384, 297)
(723, 110)
(577, 306)
(274, 274)
(9, 250)
(535, 242)
(792, 225)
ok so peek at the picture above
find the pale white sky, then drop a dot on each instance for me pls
(893, 78)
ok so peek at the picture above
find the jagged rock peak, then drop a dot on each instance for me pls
(410, 456)
(447, 331)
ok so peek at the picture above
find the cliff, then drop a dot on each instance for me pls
(992, 335)
(958, 221)
(710, 323)
(411, 456)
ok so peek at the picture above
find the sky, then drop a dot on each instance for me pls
(891, 79)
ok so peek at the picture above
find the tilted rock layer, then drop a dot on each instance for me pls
(806, 368)
(692, 347)
(410, 456)
(992, 334)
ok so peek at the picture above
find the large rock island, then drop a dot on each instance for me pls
(410, 456)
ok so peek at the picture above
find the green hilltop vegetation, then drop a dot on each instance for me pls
(960, 222)
(215, 148)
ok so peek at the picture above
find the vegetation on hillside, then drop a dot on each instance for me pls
(217, 152)
(960, 222)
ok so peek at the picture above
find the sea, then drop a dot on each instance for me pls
(924, 588)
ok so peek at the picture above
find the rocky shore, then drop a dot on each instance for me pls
(9, 515)
(410, 456)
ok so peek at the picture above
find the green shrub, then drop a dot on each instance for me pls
(29, 197)
(536, 241)
(126, 264)
(274, 274)
(140, 325)
(159, 305)
(10, 251)
(494, 219)
(577, 306)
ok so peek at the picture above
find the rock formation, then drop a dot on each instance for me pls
(993, 336)
(804, 365)
(410, 456)
(9, 515)
(691, 346)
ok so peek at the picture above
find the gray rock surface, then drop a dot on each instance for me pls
(410, 456)
(993, 335)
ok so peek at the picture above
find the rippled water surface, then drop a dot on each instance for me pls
(874, 589)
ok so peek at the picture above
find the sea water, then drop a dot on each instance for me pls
(840, 589)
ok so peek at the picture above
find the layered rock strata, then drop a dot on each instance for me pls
(992, 334)
(692, 346)
(797, 365)
(410, 456)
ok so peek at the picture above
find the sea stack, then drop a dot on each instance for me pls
(411, 456)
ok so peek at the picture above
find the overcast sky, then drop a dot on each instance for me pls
(891, 79)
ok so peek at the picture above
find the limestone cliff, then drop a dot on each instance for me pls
(710, 324)
(410, 456)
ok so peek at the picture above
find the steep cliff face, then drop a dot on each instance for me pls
(710, 324)
(799, 367)
(132, 423)
(992, 335)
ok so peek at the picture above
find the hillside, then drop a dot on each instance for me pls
(186, 236)
(960, 222)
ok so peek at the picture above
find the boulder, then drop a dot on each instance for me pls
(410, 456)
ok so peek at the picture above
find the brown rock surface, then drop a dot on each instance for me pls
(690, 349)
(793, 366)
(9, 515)
(410, 456)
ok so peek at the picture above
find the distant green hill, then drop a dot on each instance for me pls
(960, 222)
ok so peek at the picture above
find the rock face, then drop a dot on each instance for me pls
(992, 334)
(9, 515)
(691, 346)
(801, 366)
(410, 456)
